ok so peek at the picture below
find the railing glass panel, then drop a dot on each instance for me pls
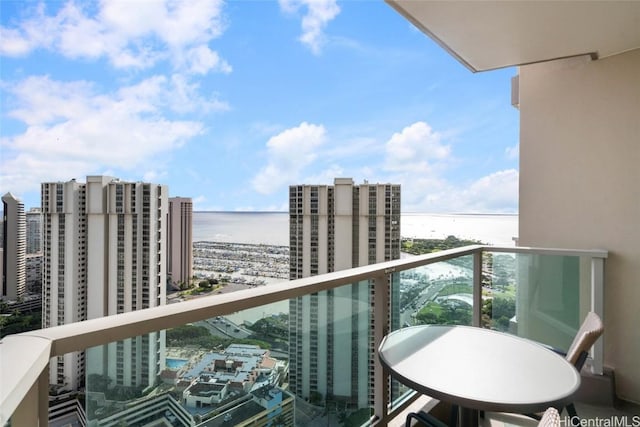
(295, 362)
(438, 293)
(331, 355)
(540, 297)
(537, 293)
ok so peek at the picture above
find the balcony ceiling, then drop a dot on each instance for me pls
(486, 35)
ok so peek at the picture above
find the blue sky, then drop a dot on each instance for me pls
(229, 103)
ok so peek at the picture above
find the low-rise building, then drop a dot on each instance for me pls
(206, 391)
(268, 406)
(237, 370)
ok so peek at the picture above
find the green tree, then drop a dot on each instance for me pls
(497, 312)
(315, 398)
(427, 318)
(98, 383)
(504, 307)
(457, 313)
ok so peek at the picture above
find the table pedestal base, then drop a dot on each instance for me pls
(467, 417)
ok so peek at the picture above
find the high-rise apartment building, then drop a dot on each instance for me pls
(13, 248)
(33, 274)
(34, 230)
(180, 240)
(334, 228)
(104, 253)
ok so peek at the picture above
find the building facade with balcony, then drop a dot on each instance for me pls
(335, 228)
(104, 254)
(34, 274)
(34, 230)
(180, 240)
(13, 249)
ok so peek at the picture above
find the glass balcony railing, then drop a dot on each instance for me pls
(297, 352)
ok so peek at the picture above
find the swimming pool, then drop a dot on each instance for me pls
(176, 363)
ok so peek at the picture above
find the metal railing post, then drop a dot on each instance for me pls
(597, 306)
(477, 288)
(381, 316)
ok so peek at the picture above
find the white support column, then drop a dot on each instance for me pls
(597, 306)
(381, 321)
(34, 408)
(24, 379)
(477, 288)
(27, 412)
(43, 397)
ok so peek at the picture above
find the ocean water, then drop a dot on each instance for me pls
(273, 227)
(270, 228)
(499, 230)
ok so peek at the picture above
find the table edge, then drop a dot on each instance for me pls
(475, 403)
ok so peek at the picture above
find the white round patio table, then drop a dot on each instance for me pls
(479, 369)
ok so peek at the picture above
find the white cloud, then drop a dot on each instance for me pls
(201, 60)
(497, 192)
(129, 34)
(199, 200)
(154, 176)
(417, 158)
(288, 153)
(184, 97)
(416, 149)
(71, 130)
(319, 14)
(512, 153)
(325, 177)
(78, 36)
(493, 193)
(13, 43)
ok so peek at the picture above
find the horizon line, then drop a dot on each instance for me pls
(402, 213)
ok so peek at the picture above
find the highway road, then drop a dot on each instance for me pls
(223, 327)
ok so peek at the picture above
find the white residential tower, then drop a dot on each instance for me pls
(180, 240)
(13, 248)
(104, 250)
(34, 230)
(335, 228)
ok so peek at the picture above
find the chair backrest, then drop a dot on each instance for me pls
(551, 418)
(588, 333)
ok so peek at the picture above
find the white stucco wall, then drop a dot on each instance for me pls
(580, 182)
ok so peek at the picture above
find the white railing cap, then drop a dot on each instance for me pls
(22, 359)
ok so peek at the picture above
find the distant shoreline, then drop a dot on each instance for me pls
(401, 213)
(243, 212)
(272, 227)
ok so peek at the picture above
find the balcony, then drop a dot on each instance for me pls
(536, 293)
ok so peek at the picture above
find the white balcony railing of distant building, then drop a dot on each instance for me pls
(24, 358)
